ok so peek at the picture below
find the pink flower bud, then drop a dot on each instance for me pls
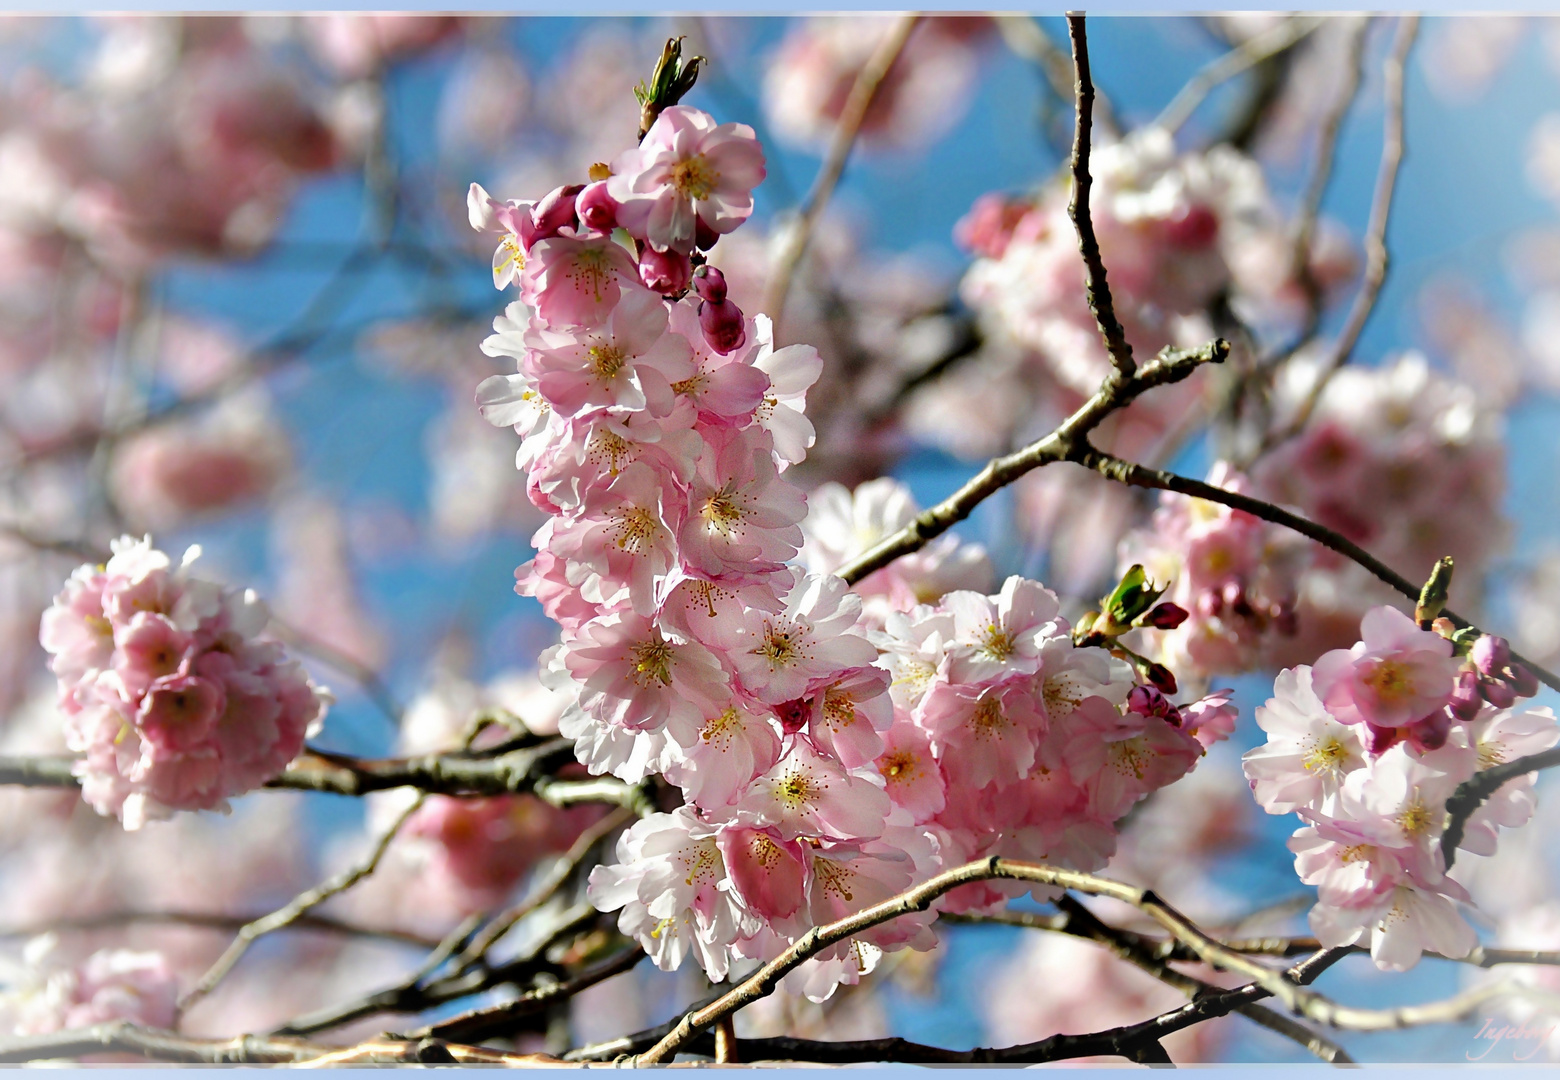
(1166, 616)
(666, 272)
(1491, 655)
(704, 237)
(724, 328)
(596, 209)
(710, 284)
(1146, 701)
(1466, 700)
(1195, 227)
(555, 212)
(1497, 693)
(1161, 677)
(1523, 681)
(794, 715)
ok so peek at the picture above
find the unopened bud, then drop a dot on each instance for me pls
(704, 237)
(1466, 699)
(555, 212)
(1491, 655)
(1432, 598)
(1523, 681)
(1498, 693)
(1160, 677)
(666, 272)
(596, 209)
(1166, 616)
(724, 327)
(794, 714)
(710, 284)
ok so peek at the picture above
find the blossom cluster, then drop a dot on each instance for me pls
(1367, 745)
(829, 752)
(1236, 576)
(45, 993)
(168, 688)
(1402, 461)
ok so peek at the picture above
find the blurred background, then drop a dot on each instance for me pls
(241, 307)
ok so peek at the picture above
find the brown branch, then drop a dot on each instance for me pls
(498, 1020)
(1096, 285)
(1377, 259)
(512, 772)
(214, 921)
(296, 907)
(1248, 54)
(863, 92)
(1126, 472)
(1170, 366)
(921, 897)
(1472, 793)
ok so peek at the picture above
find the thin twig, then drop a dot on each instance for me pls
(335, 885)
(1024, 35)
(1472, 793)
(1127, 472)
(921, 897)
(1377, 258)
(863, 92)
(1096, 285)
(204, 920)
(1248, 54)
(1170, 366)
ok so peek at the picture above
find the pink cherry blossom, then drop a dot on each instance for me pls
(1307, 754)
(630, 361)
(742, 517)
(808, 794)
(635, 677)
(1395, 676)
(578, 282)
(109, 985)
(736, 744)
(687, 169)
(779, 656)
(1001, 636)
(911, 775)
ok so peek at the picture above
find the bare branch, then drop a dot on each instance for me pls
(1248, 54)
(1169, 366)
(214, 921)
(1376, 255)
(1473, 792)
(1127, 472)
(1024, 35)
(863, 93)
(1096, 286)
(335, 885)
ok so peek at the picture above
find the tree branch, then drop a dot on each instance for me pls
(1473, 792)
(1127, 472)
(1248, 54)
(1377, 259)
(1170, 366)
(863, 92)
(1096, 285)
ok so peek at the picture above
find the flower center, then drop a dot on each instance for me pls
(1326, 755)
(900, 765)
(611, 449)
(996, 643)
(702, 863)
(721, 728)
(607, 360)
(780, 647)
(1129, 756)
(1414, 818)
(797, 790)
(693, 178)
(1390, 680)
(721, 512)
(839, 709)
(634, 528)
(653, 662)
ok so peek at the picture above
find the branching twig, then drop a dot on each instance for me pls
(1169, 366)
(1127, 472)
(1281, 38)
(1096, 285)
(335, 885)
(1472, 793)
(862, 93)
(1377, 258)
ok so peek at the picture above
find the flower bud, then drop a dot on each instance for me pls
(1194, 227)
(794, 715)
(1160, 677)
(1523, 681)
(1147, 701)
(1491, 655)
(555, 212)
(596, 209)
(710, 284)
(1497, 693)
(723, 325)
(1166, 616)
(1466, 699)
(704, 237)
(666, 272)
